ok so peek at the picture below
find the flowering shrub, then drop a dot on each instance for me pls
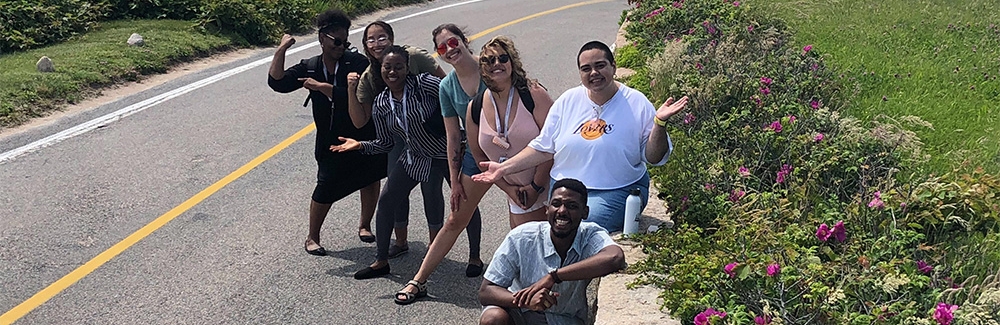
(788, 212)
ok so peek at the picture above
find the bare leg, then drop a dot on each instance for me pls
(452, 228)
(519, 219)
(317, 214)
(369, 199)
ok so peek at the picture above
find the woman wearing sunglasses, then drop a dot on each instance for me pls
(409, 109)
(602, 133)
(362, 89)
(325, 75)
(457, 90)
(508, 115)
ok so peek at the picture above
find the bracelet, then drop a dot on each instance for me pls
(555, 276)
(658, 121)
(538, 189)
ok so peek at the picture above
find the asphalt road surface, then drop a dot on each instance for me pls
(86, 235)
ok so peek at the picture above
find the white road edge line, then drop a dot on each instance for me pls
(140, 106)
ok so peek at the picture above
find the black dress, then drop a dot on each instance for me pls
(340, 174)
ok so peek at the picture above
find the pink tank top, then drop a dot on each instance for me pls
(522, 130)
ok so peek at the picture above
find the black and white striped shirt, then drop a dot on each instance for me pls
(421, 126)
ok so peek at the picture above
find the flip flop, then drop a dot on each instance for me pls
(409, 297)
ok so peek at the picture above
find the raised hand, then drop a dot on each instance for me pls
(671, 107)
(348, 145)
(352, 80)
(286, 42)
(492, 174)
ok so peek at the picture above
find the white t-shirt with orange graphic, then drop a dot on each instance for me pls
(603, 147)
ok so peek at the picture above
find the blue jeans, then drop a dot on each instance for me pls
(607, 207)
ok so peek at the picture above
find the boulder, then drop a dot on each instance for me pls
(136, 40)
(45, 65)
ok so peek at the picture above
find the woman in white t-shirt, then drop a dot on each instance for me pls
(602, 133)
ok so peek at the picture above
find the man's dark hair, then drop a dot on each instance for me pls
(572, 185)
(599, 46)
(332, 20)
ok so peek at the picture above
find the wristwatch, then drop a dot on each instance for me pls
(555, 276)
(658, 121)
(538, 189)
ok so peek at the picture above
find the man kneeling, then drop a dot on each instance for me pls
(548, 265)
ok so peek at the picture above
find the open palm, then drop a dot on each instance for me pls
(671, 107)
(348, 145)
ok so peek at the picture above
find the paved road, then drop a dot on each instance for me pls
(236, 256)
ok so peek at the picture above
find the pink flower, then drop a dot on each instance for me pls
(655, 12)
(729, 269)
(823, 232)
(756, 99)
(688, 118)
(791, 118)
(709, 186)
(819, 137)
(705, 317)
(736, 3)
(839, 232)
(697, 65)
(677, 4)
(807, 48)
(749, 28)
(762, 320)
(876, 202)
(773, 269)
(924, 268)
(736, 195)
(765, 90)
(943, 314)
(775, 126)
(743, 171)
(814, 104)
(766, 81)
(784, 172)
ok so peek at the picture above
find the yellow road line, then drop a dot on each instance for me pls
(66, 281)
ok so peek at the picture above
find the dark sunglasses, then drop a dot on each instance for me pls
(503, 58)
(337, 42)
(450, 42)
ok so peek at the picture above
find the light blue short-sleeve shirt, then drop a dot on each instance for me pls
(527, 254)
(454, 100)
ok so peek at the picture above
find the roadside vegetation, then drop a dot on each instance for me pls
(794, 201)
(86, 40)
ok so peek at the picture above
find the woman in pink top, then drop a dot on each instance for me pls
(505, 125)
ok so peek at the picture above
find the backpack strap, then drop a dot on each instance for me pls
(313, 64)
(523, 92)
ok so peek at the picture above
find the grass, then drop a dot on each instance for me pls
(936, 59)
(358, 7)
(95, 59)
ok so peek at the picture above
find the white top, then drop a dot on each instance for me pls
(603, 147)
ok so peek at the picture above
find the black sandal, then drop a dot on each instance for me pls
(318, 252)
(366, 238)
(473, 270)
(410, 297)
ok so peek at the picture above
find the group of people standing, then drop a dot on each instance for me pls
(393, 112)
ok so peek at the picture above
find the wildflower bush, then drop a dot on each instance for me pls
(788, 212)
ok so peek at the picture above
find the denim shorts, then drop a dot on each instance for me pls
(469, 165)
(607, 207)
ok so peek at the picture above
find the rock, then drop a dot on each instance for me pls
(45, 65)
(136, 40)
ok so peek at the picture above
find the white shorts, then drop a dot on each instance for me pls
(515, 209)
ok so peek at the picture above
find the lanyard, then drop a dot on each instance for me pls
(326, 73)
(506, 117)
(403, 123)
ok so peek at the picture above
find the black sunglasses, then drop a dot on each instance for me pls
(503, 58)
(337, 42)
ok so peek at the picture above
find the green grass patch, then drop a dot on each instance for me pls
(358, 7)
(936, 59)
(93, 60)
